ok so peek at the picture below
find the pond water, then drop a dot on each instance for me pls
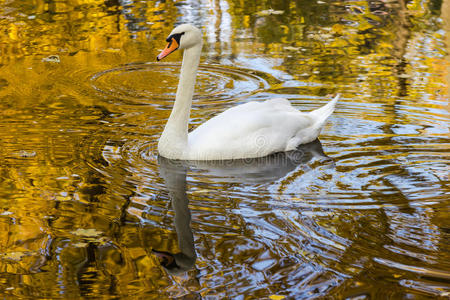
(88, 209)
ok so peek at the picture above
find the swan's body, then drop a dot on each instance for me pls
(249, 130)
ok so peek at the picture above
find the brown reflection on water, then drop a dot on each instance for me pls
(85, 203)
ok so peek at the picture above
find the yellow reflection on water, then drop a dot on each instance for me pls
(82, 201)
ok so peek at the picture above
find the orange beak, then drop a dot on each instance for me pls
(171, 46)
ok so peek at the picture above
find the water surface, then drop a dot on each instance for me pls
(88, 209)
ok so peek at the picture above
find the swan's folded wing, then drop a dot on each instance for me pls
(253, 129)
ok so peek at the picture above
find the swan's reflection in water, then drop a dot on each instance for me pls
(258, 170)
(174, 174)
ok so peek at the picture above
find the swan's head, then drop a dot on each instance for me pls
(182, 37)
(175, 263)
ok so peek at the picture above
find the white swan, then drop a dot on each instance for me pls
(253, 129)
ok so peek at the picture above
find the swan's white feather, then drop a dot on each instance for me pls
(253, 129)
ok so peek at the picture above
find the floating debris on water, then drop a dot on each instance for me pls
(24, 153)
(269, 12)
(52, 59)
(90, 233)
(15, 256)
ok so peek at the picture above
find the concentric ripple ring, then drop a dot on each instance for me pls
(140, 82)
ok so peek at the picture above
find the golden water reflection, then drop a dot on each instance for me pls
(85, 204)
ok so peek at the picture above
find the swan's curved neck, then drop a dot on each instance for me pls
(174, 139)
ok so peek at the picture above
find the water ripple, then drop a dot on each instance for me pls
(140, 82)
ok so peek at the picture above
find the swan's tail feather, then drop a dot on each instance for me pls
(321, 114)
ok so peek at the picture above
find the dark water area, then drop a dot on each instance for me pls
(89, 210)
